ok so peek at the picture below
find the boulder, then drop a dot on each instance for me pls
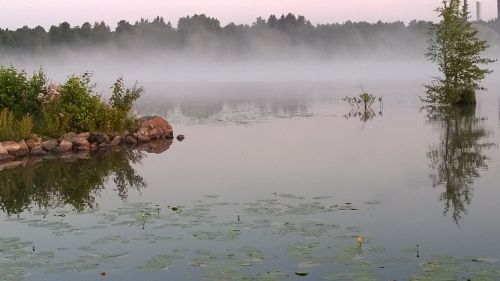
(34, 142)
(50, 145)
(81, 144)
(116, 141)
(38, 151)
(98, 138)
(153, 128)
(130, 140)
(68, 137)
(84, 135)
(94, 146)
(23, 149)
(64, 146)
(4, 155)
(10, 146)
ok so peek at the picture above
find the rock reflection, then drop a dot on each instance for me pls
(459, 157)
(74, 182)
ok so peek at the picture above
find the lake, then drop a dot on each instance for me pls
(274, 181)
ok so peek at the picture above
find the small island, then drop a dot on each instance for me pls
(40, 119)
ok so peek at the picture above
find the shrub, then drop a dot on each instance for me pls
(79, 105)
(71, 107)
(19, 93)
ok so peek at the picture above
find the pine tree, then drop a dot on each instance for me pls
(456, 49)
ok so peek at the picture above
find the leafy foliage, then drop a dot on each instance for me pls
(362, 106)
(456, 49)
(73, 106)
(18, 92)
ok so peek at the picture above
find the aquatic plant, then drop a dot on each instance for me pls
(361, 106)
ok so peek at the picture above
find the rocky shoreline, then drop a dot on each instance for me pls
(154, 135)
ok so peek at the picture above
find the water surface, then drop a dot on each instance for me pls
(273, 181)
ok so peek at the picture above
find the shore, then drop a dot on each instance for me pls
(154, 135)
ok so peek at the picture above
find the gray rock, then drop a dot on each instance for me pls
(130, 140)
(68, 137)
(98, 138)
(81, 142)
(23, 149)
(64, 146)
(34, 142)
(38, 151)
(84, 135)
(116, 141)
(50, 145)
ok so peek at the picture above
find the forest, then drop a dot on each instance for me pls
(200, 34)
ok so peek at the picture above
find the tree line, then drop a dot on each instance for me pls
(199, 32)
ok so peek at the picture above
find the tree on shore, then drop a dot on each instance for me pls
(457, 50)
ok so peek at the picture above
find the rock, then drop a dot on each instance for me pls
(38, 151)
(50, 145)
(156, 146)
(4, 155)
(64, 146)
(81, 144)
(116, 141)
(113, 135)
(152, 128)
(130, 140)
(34, 142)
(23, 149)
(94, 146)
(143, 135)
(180, 137)
(10, 146)
(98, 138)
(68, 137)
(84, 135)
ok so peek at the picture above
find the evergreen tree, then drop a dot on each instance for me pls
(456, 48)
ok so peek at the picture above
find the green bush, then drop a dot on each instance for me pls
(19, 93)
(71, 107)
(79, 105)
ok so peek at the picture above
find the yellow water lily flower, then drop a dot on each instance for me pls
(360, 240)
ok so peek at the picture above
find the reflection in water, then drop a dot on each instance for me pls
(227, 110)
(247, 103)
(74, 182)
(361, 107)
(459, 157)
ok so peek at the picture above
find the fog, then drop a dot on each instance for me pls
(199, 51)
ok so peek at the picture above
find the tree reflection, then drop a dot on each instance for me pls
(73, 182)
(459, 157)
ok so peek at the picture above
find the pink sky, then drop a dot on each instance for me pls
(16, 13)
